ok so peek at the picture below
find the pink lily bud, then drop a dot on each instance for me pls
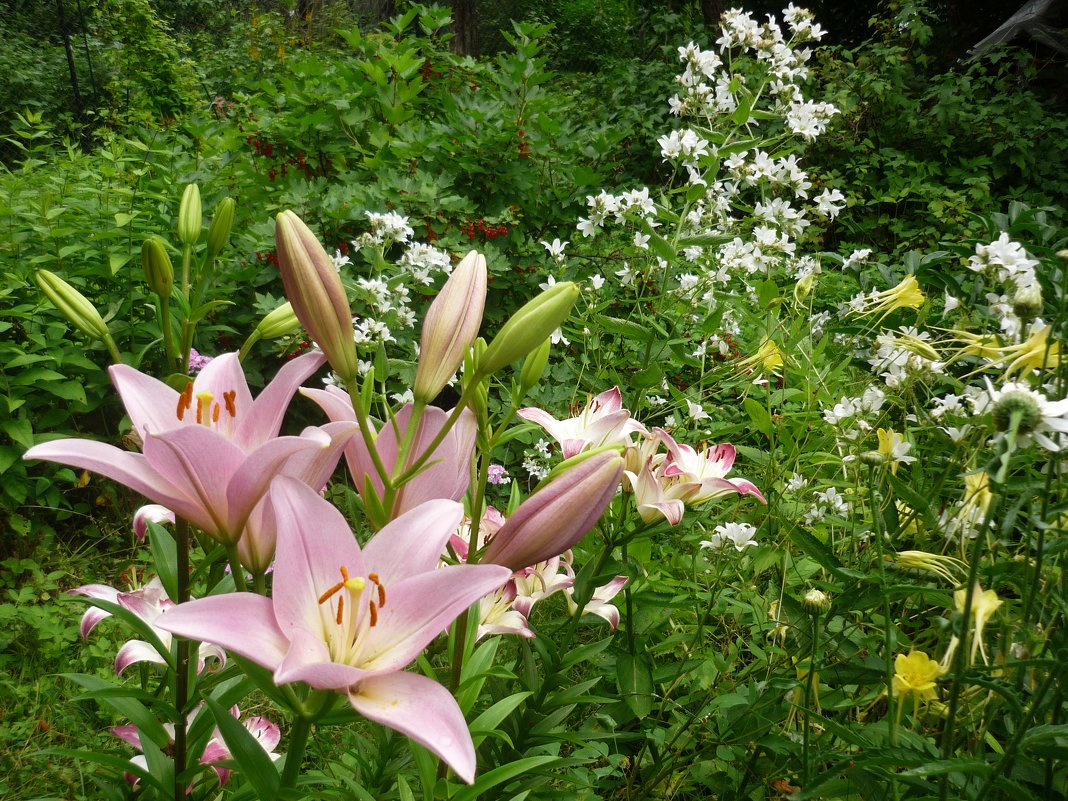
(559, 514)
(316, 293)
(451, 325)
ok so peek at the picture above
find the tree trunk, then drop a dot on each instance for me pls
(465, 27)
(64, 31)
(712, 10)
(375, 11)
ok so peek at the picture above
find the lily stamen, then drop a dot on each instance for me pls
(185, 400)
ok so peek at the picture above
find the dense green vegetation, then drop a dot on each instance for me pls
(866, 301)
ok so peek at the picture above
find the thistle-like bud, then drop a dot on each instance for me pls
(315, 290)
(558, 514)
(1027, 302)
(190, 216)
(73, 305)
(221, 223)
(529, 327)
(815, 602)
(159, 272)
(534, 366)
(451, 325)
(1017, 402)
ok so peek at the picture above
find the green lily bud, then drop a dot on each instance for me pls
(159, 272)
(73, 305)
(316, 292)
(534, 366)
(451, 325)
(221, 223)
(278, 322)
(190, 216)
(529, 327)
(1027, 302)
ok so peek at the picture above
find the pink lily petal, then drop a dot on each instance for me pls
(423, 710)
(151, 404)
(135, 651)
(130, 469)
(309, 661)
(200, 461)
(672, 511)
(413, 542)
(309, 560)
(249, 482)
(129, 733)
(265, 418)
(150, 513)
(221, 375)
(419, 608)
(240, 622)
(93, 614)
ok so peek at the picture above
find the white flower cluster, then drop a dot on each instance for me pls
(1005, 260)
(740, 535)
(850, 415)
(903, 355)
(828, 503)
(386, 228)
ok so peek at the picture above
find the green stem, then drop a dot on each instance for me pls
(298, 743)
(168, 335)
(810, 683)
(181, 679)
(236, 570)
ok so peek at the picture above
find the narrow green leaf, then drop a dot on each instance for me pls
(256, 767)
(165, 557)
(500, 775)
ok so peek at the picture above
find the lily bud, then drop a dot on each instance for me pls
(559, 514)
(190, 216)
(278, 323)
(315, 290)
(529, 327)
(534, 366)
(451, 325)
(159, 272)
(73, 304)
(1027, 302)
(221, 223)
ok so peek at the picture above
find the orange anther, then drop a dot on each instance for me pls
(230, 398)
(374, 613)
(340, 607)
(215, 414)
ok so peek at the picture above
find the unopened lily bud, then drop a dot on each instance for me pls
(529, 327)
(558, 514)
(73, 305)
(221, 223)
(315, 290)
(278, 322)
(190, 216)
(451, 325)
(815, 602)
(534, 366)
(1027, 302)
(159, 272)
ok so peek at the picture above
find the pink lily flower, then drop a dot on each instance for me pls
(708, 470)
(657, 495)
(497, 614)
(350, 620)
(265, 732)
(603, 421)
(449, 472)
(211, 451)
(149, 603)
(599, 603)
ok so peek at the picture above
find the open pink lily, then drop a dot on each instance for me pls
(450, 465)
(603, 421)
(708, 470)
(210, 451)
(350, 620)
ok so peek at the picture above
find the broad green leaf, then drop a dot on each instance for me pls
(634, 675)
(256, 767)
